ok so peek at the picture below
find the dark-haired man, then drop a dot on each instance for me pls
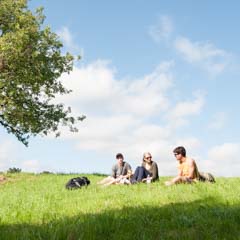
(121, 168)
(187, 168)
(120, 172)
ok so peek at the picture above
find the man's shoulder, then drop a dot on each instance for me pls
(190, 161)
(126, 164)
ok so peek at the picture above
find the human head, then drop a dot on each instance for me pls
(119, 158)
(147, 157)
(179, 152)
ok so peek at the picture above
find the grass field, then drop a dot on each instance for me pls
(39, 207)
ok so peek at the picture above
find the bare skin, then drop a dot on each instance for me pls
(180, 178)
(2, 178)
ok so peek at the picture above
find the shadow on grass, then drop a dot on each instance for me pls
(202, 219)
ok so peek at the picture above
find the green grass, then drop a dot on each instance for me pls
(39, 207)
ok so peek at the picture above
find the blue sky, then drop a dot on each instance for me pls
(153, 75)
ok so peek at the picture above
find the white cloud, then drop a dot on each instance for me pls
(223, 160)
(162, 30)
(96, 90)
(197, 51)
(117, 110)
(183, 109)
(192, 143)
(225, 152)
(204, 54)
(68, 41)
(128, 115)
(11, 153)
(218, 121)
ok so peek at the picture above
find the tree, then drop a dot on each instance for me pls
(31, 63)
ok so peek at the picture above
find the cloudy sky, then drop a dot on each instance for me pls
(154, 75)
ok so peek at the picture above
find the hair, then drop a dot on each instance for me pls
(119, 155)
(145, 154)
(180, 150)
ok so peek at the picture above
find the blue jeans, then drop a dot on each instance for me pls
(139, 174)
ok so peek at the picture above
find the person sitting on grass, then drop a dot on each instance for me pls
(147, 172)
(120, 172)
(187, 168)
(2, 178)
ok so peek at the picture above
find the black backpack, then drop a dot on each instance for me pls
(76, 183)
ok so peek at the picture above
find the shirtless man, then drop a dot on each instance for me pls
(187, 168)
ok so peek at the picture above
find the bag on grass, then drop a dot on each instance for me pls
(77, 182)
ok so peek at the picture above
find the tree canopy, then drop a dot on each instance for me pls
(31, 62)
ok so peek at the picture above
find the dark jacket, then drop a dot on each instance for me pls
(153, 170)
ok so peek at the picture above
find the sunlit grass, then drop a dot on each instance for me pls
(39, 207)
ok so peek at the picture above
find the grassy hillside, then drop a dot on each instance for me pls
(39, 207)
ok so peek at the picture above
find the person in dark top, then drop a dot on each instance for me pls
(120, 171)
(148, 172)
